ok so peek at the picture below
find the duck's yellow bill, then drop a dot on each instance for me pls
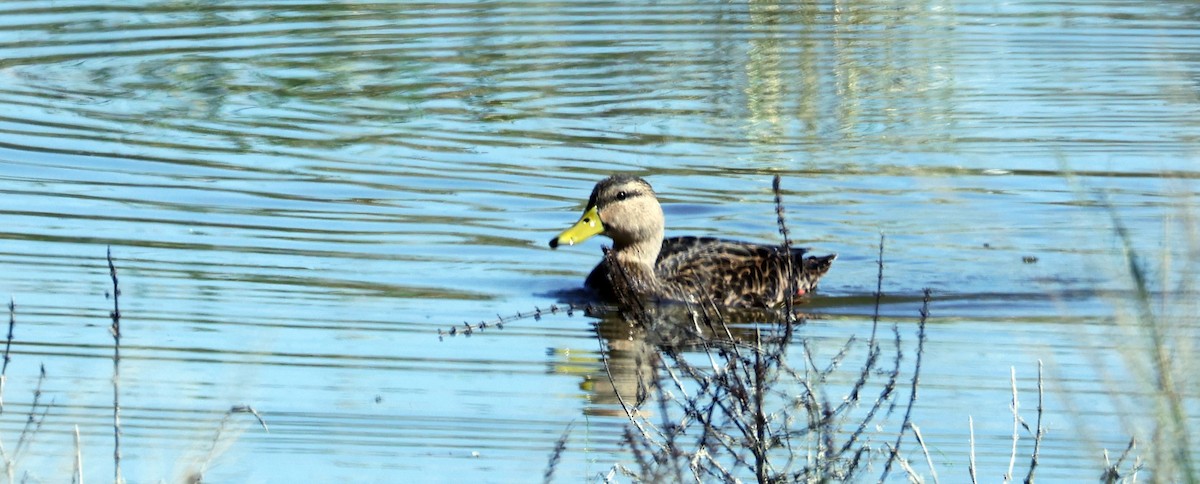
(587, 226)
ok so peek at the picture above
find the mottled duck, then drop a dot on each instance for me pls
(698, 270)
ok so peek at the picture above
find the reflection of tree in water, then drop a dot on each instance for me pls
(848, 76)
(219, 79)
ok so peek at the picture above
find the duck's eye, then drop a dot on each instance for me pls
(621, 195)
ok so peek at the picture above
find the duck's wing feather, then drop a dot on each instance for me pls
(734, 273)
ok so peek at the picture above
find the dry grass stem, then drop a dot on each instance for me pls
(925, 450)
(913, 477)
(971, 463)
(77, 477)
(1174, 423)
(1015, 407)
(214, 446)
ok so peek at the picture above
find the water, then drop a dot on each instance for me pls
(300, 195)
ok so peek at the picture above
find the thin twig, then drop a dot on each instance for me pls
(637, 422)
(78, 474)
(928, 460)
(761, 445)
(672, 430)
(559, 447)
(783, 230)
(31, 421)
(9, 464)
(115, 329)
(715, 467)
(1112, 471)
(789, 314)
(12, 322)
(213, 451)
(1037, 437)
(912, 398)
(250, 410)
(873, 353)
(1125, 454)
(1016, 406)
(913, 477)
(536, 314)
(878, 287)
(971, 462)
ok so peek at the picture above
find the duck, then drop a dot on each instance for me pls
(687, 269)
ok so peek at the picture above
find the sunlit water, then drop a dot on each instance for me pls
(299, 195)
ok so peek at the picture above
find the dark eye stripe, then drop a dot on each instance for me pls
(607, 190)
(628, 194)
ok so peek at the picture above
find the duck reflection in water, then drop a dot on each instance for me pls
(634, 346)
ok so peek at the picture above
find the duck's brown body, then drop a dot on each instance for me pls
(700, 270)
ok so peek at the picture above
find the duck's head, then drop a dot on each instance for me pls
(623, 208)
